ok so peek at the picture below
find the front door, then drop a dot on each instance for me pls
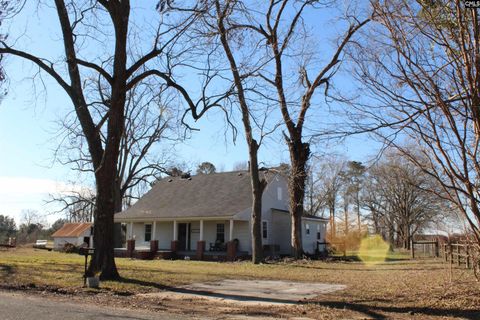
(184, 236)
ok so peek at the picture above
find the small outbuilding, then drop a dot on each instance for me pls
(76, 234)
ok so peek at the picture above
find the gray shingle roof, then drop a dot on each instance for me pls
(205, 195)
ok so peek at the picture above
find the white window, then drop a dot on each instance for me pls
(318, 232)
(264, 229)
(279, 193)
(307, 229)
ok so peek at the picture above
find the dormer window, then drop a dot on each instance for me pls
(279, 193)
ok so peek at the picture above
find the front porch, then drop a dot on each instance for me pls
(191, 239)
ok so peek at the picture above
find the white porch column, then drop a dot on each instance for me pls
(131, 230)
(201, 230)
(154, 228)
(231, 230)
(175, 236)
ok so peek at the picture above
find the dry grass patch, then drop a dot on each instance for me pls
(396, 288)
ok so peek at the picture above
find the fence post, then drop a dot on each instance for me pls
(450, 251)
(412, 246)
(467, 257)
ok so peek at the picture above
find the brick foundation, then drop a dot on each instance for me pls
(200, 250)
(153, 245)
(174, 246)
(130, 248)
(231, 250)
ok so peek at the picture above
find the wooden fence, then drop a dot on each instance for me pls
(424, 248)
(459, 254)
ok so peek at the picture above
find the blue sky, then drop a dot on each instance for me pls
(28, 128)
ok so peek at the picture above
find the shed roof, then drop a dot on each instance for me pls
(72, 230)
(204, 195)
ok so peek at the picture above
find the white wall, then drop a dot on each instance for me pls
(58, 243)
(310, 240)
(164, 235)
(281, 231)
(241, 231)
(271, 200)
(210, 231)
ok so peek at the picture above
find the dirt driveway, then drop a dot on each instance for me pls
(251, 291)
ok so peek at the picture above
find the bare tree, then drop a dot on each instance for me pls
(206, 168)
(77, 206)
(279, 28)
(102, 115)
(240, 166)
(314, 202)
(353, 179)
(8, 9)
(243, 56)
(419, 65)
(402, 198)
(328, 186)
(149, 123)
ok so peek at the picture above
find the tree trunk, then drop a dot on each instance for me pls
(391, 235)
(299, 153)
(103, 259)
(333, 232)
(345, 212)
(359, 221)
(258, 185)
(375, 222)
(106, 173)
(118, 196)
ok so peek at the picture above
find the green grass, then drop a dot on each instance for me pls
(392, 285)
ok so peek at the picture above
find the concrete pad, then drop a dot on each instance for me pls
(252, 291)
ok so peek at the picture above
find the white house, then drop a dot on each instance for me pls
(210, 210)
(73, 233)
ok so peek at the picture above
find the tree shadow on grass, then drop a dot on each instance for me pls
(375, 312)
(7, 270)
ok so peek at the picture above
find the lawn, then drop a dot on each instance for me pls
(395, 287)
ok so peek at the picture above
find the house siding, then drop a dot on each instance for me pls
(59, 242)
(164, 235)
(139, 234)
(241, 231)
(270, 200)
(309, 241)
(281, 230)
